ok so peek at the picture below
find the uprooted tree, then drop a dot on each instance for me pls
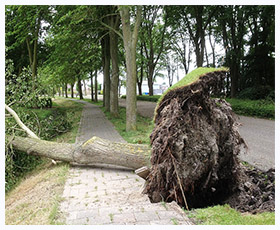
(195, 144)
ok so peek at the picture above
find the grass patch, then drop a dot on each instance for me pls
(255, 108)
(225, 215)
(36, 198)
(74, 109)
(140, 136)
(190, 78)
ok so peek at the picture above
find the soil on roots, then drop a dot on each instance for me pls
(195, 144)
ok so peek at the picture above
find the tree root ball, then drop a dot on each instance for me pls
(195, 144)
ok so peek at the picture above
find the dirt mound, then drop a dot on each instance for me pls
(256, 193)
(195, 144)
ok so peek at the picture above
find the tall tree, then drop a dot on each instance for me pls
(154, 36)
(197, 19)
(130, 41)
(114, 26)
(27, 27)
(232, 21)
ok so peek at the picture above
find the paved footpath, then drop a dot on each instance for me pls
(100, 195)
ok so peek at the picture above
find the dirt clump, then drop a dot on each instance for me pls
(195, 147)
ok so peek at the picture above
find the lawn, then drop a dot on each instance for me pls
(225, 215)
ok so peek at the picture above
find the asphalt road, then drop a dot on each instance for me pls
(259, 134)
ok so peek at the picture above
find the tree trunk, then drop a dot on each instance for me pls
(150, 80)
(91, 86)
(85, 87)
(72, 90)
(94, 151)
(80, 88)
(106, 89)
(140, 79)
(95, 86)
(130, 40)
(114, 103)
(66, 93)
(139, 87)
(59, 93)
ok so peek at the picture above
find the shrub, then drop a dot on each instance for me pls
(153, 98)
(257, 108)
(257, 93)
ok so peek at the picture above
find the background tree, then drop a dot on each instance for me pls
(153, 32)
(130, 41)
(26, 27)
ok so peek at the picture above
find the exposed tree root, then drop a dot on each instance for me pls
(195, 144)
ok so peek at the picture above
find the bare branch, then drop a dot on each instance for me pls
(19, 122)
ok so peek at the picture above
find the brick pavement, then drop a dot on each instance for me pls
(101, 194)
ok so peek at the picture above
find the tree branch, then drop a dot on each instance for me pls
(19, 122)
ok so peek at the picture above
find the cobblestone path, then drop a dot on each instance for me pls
(100, 195)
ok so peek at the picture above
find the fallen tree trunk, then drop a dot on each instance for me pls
(195, 144)
(94, 151)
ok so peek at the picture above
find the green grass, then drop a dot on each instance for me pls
(75, 111)
(254, 108)
(225, 215)
(140, 136)
(190, 78)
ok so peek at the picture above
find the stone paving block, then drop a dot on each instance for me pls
(169, 214)
(146, 216)
(87, 213)
(82, 221)
(124, 218)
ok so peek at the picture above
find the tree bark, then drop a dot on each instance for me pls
(130, 40)
(59, 93)
(85, 87)
(114, 103)
(91, 86)
(80, 88)
(72, 90)
(140, 79)
(106, 70)
(94, 151)
(65, 88)
(95, 86)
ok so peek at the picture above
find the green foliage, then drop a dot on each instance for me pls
(20, 91)
(257, 92)
(255, 108)
(225, 215)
